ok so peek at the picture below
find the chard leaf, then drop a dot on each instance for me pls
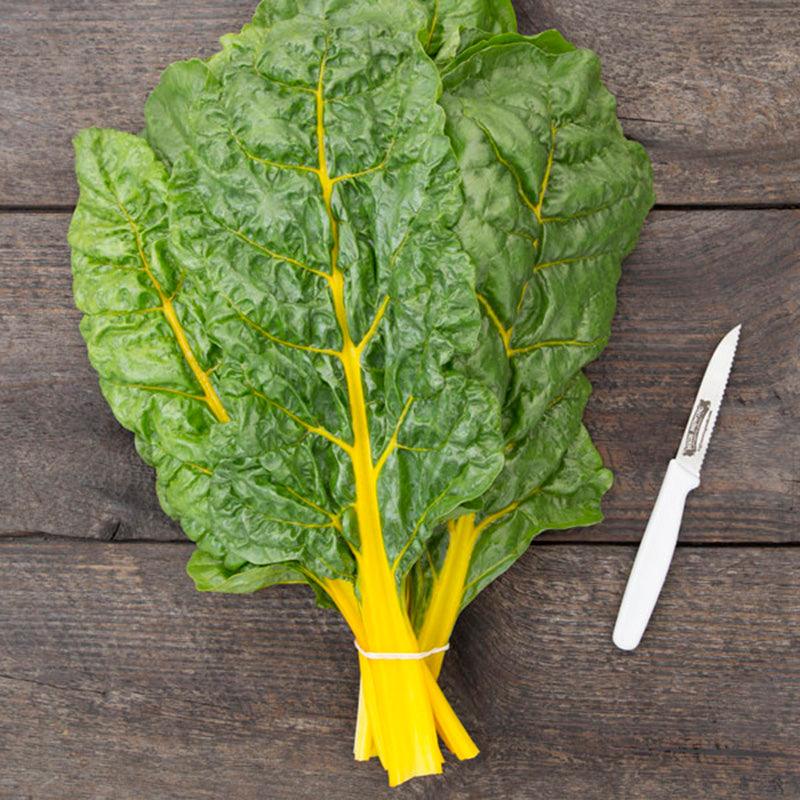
(448, 24)
(146, 327)
(275, 308)
(555, 199)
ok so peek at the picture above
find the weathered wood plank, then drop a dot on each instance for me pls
(69, 469)
(65, 461)
(709, 86)
(118, 681)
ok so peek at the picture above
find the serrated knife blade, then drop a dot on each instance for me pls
(703, 418)
(683, 475)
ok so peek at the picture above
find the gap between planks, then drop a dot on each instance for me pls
(37, 537)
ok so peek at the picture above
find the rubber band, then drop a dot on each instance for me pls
(400, 656)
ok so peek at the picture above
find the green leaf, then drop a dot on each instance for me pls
(555, 199)
(144, 326)
(570, 498)
(452, 24)
(210, 575)
(151, 352)
(316, 296)
(449, 24)
(550, 41)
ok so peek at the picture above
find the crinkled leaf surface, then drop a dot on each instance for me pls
(564, 492)
(140, 321)
(511, 226)
(448, 22)
(555, 199)
(209, 575)
(452, 23)
(286, 300)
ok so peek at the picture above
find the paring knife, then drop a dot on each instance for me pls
(683, 474)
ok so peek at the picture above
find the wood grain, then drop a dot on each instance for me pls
(119, 682)
(70, 470)
(77, 63)
(67, 466)
(710, 87)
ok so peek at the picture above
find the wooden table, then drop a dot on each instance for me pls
(118, 681)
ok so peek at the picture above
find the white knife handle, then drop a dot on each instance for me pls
(654, 556)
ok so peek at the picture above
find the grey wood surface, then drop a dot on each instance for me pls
(709, 86)
(119, 682)
(72, 471)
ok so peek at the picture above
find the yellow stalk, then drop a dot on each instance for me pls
(448, 725)
(448, 589)
(363, 745)
(370, 739)
(440, 618)
(342, 594)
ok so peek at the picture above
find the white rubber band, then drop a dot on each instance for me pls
(400, 656)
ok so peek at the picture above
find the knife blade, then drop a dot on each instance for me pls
(683, 476)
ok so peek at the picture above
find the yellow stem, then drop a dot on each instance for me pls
(374, 739)
(448, 589)
(440, 618)
(363, 745)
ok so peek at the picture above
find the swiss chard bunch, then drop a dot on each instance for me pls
(342, 290)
